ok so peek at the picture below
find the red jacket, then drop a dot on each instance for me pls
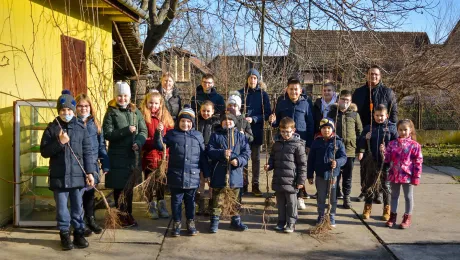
(152, 157)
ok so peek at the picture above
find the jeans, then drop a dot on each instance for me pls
(345, 175)
(177, 196)
(88, 202)
(322, 186)
(408, 195)
(287, 207)
(63, 217)
(255, 160)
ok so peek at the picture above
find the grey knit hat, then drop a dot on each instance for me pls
(66, 100)
(187, 112)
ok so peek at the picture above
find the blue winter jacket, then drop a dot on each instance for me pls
(98, 149)
(253, 103)
(65, 171)
(380, 132)
(213, 96)
(320, 157)
(216, 152)
(187, 157)
(301, 112)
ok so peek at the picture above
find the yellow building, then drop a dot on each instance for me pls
(48, 46)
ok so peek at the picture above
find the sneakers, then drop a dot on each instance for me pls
(346, 202)
(361, 197)
(392, 221)
(191, 229)
(79, 240)
(163, 209)
(237, 224)
(301, 204)
(407, 221)
(175, 231)
(255, 190)
(280, 226)
(367, 211)
(153, 210)
(290, 227)
(214, 225)
(66, 242)
(386, 213)
(332, 219)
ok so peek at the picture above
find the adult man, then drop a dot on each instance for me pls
(206, 91)
(380, 95)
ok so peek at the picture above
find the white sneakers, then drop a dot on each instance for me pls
(301, 204)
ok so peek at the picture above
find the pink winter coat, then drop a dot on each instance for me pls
(405, 158)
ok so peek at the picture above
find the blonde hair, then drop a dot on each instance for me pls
(93, 110)
(163, 113)
(167, 74)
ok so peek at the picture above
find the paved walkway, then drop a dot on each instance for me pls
(435, 233)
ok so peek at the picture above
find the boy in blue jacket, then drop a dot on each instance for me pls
(229, 151)
(187, 159)
(297, 107)
(321, 160)
(64, 139)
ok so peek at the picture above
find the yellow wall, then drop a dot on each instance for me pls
(30, 65)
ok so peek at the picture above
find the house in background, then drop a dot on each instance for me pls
(48, 46)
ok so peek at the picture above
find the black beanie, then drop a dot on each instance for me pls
(66, 100)
(228, 115)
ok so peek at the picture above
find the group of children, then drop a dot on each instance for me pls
(205, 148)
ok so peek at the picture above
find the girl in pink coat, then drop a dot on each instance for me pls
(404, 158)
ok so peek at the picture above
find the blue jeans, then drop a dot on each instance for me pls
(322, 186)
(63, 217)
(179, 195)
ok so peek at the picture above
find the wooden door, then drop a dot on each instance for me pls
(73, 65)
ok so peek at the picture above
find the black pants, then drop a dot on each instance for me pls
(88, 203)
(384, 188)
(160, 190)
(127, 206)
(345, 175)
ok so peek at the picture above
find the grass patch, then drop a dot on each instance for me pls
(442, 154)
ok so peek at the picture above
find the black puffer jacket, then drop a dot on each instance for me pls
(243, 125)
(289, 161)
(206, 127)
(174, 104)
(380, 95)
(64, 170)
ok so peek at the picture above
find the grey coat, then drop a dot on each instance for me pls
(289, 161)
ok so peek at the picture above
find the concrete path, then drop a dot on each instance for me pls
(435, 233)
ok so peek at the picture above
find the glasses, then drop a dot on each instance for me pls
(83, 106)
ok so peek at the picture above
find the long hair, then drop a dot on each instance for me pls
(93, 109)
(162, 114)
(408, 122)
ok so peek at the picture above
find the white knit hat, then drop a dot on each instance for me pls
(234, 97)
(121, 88)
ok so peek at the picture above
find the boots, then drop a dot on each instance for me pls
(392, 221)
(191, 229)
(92, 225)
(79, 240)
(88, 232)
(386, 213)
(255, 190)
(153, 210)
(406, 221)
(214, 224)
(66, 242)
(175, 232)
(237, 224)
(163, 209)
(367, 211)
(346, 202)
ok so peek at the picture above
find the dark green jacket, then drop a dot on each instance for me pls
(348, 127)
(116, 130)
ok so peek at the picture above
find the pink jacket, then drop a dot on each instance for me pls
(405, 158)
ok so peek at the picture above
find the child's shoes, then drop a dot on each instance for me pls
(332, 219)
(163, 209)
(214, 226)
(301, 204)
(153, 210)
(237, 224)
(407, 221)
(191, 229)
(175, 232)
(280, 226)
(290, 227)
(386, 213)
(392, 221)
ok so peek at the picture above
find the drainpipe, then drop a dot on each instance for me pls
(133, 7)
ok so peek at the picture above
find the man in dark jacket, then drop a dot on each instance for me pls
(207, 91)
(66, 142)
(349, 128)
(256, 110)
(380, 95)
(289, 161)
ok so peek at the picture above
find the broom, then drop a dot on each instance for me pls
(269, 204)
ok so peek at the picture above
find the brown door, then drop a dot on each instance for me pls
(73, 65)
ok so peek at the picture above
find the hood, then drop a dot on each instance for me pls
(352, 107)
(295, 137)
(113, 104)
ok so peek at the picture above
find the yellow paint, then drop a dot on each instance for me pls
(30, 64)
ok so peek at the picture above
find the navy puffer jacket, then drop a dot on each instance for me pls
(187, 157)
(256, 109)
(213, 96)
(216, 152)
(98, 148)
(320, 156)
(64, 169)
(384, 132)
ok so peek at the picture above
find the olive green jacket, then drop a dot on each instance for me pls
(348, 127)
